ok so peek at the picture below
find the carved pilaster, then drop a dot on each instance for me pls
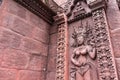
(105, 56)
(62, 48)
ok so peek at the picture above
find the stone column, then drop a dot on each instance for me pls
(62, 47)
(105, 56)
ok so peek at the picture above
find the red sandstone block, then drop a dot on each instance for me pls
(41, 35)
(53, 39)
(38, 22)
(50, 76)
(22, 27)
(51, 64)
(33, 19)
(116, 45)
(15, 59)
(16, 9)
(7, 74)
(34, 47)
(53, 29)
(52, 50)
(8, 38)
(44, 25)
(37, 63)
(31, 75)
(1, 53)
(7, 20)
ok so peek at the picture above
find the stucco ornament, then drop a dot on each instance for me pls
(82, 56)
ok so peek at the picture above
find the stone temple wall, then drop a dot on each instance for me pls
(113, 15)
(24, 39)
(28, 44)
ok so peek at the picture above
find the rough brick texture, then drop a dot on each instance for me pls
(24, 44)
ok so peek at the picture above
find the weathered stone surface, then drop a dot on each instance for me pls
(22, 27)
(31, 75)
(53, 39)
(51, 64)
(50, 76)
(118, 66)
(34, 47)
(10, 39)
(52, 50)
(116, 42)
(113, 14)
(7, 74)
(53, 29)
(24, 41)
(41, 35)
(7, 20)
(15, 59)
(16, 9)
(37, 62)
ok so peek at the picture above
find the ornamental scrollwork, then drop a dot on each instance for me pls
(105, 58)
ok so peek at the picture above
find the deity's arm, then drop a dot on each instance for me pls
(74, 61)
(91, 52)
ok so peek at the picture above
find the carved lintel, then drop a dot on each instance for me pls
(105, 56)
(76, 10)
(38, 8)
(62, 48)
(97, 4)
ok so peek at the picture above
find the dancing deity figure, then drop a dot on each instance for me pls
(81, 56)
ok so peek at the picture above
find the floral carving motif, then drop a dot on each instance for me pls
(105, 58)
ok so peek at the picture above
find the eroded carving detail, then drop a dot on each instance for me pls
(77, 9)
(60, 53)
(61, 59)
(82, 56)
(105, 58)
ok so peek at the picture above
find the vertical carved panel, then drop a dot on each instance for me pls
(105, 57)
(62, 45)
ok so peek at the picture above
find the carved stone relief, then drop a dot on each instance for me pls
(62, 41)
(84, 52)
(105, 57)
(91, 56)
(76, 8)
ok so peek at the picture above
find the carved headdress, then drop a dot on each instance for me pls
(79, 31)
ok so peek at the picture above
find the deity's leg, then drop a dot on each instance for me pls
(87, 75)
(79, 76)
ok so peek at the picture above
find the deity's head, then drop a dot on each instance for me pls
(80, 39)
(79, 35)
